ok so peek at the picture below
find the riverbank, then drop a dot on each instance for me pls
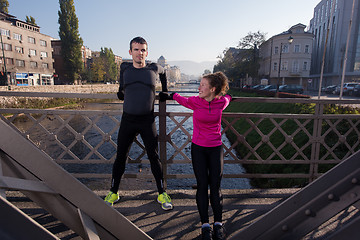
(6, 102)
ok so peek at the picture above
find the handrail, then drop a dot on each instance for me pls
(78, 149)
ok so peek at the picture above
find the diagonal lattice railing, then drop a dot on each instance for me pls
(81, 139)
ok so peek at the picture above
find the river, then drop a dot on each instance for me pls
(179, 138)
(107, 150)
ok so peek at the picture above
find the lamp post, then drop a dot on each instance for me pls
(290, 40)
(5, 73)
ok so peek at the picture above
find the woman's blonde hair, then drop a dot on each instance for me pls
(219, 81)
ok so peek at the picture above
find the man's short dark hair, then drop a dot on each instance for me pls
(139, 40)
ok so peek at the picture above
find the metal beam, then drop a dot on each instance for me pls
(2, 191)
(14, 224)
(89, 226)
(312, 206)
(24, 185)
(70, 190)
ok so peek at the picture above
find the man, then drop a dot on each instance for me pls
(137, 89)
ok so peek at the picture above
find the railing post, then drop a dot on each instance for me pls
(162, 139)
(315, 149)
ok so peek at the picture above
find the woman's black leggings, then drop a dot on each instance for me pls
(131, 126)
(208, 163)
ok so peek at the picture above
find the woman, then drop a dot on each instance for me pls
(206, 148)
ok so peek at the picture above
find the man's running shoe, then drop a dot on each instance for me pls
(111, 198)
(165, 201)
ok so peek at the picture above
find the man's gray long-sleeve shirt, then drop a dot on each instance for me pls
(137, 86)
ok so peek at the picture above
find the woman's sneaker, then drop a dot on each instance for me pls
(165, 201)
(111, 198)
(206, 233)
(219, 232)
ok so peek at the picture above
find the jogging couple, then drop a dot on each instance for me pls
(137, 89)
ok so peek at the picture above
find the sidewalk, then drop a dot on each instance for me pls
(241, 207)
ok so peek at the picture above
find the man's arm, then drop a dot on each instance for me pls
(120, 93)
(163, 81)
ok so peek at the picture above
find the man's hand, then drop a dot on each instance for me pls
(120, 95)
(163, 96)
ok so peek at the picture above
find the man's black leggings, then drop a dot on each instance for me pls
(129, 127)
(208, 165)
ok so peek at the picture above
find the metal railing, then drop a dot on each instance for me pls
(76, 138)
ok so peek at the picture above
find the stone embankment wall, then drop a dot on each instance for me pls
(96, 88)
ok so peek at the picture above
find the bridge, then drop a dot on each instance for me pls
(327, 207)
(190, 82)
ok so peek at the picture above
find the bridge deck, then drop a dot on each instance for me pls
(241, 207)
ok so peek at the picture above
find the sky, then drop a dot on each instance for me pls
(195, 30)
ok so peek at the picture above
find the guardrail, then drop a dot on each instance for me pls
(75, 139)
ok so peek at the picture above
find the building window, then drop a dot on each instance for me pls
(295, 67)
(7, 47)
(17, 36)
(305, 66)
(19, 49)
(43, 54)
(285, 48)
(31, 40)
(284, 66)
(5, 32)
(46, 79)
(43, 43)
(32, 52)
(275, 68)
(297, 48)
(33, 64)
(45, 65)
(9, 61)
(307, 47)
(276, 50)
(20, 63)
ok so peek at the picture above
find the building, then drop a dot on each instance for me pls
(59, 76)
(86, 56)
(286, 58)
(173, 73)
(27, 53)
(333, 27)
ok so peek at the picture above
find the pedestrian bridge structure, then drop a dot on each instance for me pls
(37, 146)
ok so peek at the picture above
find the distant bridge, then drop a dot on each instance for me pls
(192, 82)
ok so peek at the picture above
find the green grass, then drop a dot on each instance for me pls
(277, 138)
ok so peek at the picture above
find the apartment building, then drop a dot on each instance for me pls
(26, 54)
(286, 58)
(331, 26)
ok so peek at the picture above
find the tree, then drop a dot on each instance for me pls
(71, 41)
(4, 4)
(228, 64)
(238, 62)
(30, 20)
(97, 70)
(207, 71)
(109, 64)
(250, 62)
(251, 40)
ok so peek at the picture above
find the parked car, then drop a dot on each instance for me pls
(347, 88)
(258, 87)
(356, 91)
(330, 89)
(271, 88)
(298, 89)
